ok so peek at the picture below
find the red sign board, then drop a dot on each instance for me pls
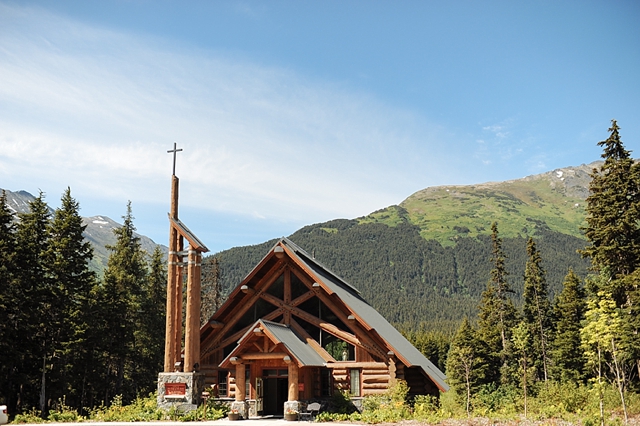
(175, 389)
(300, 387)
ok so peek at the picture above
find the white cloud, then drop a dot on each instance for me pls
(97, 110)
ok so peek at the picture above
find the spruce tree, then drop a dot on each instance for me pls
(613, 214)
(150, 334)
(119, 306)
(211, 288)
(567, 354)
(497, 314)
(9, 315)
(613, 232)
(536, 311)
(68, 258)
(35, 300)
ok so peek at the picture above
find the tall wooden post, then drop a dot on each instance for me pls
(241, 380)
(293, 381)
(171, 348)
(192, 333)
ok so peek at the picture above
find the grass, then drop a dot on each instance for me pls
(447, 213)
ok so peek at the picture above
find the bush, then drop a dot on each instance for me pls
(140, 410)
(30, 417)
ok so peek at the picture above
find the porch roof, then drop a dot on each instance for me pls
(297, 348)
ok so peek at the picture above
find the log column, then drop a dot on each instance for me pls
(293, 380)
(192, 332)
(240, 382)
(172, 348)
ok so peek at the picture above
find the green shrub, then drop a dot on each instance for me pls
(140, 410)
(30, 417)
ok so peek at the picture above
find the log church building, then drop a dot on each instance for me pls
(294, 331)
(290, 333)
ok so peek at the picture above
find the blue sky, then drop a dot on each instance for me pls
(292, 113)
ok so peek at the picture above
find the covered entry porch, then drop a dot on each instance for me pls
(274, 369)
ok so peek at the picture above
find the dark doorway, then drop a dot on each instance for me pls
(275, 395)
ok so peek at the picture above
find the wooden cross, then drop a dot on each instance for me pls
(175, 150)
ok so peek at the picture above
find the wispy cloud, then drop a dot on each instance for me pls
(97, 110)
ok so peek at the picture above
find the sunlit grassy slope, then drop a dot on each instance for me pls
(447, 213)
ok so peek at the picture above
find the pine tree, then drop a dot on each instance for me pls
(9, 315)
(536, 311)
(466, 364)
(68, 258)
(497, 314)
(567, 354)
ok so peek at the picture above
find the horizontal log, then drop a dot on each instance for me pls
(366, 392)
(352, 364)
(262, 355)
(375, 372)
(366, 386)
(383, 378)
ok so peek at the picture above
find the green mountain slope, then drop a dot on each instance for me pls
(446, 213)
(427, 260)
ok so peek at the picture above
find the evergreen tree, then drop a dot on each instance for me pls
(497, 314)
(68, 258)
(613, 214)
(466, 364)
(118, 308)
(567, 354)
(9, 315)
(536, 311)
(211, 288)
(35, 300)
(150, 334)
(613, 231)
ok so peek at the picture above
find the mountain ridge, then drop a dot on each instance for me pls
(99, 229)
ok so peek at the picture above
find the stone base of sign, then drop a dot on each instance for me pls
(182, 391)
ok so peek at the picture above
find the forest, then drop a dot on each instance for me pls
(68, 337)
(511, 321)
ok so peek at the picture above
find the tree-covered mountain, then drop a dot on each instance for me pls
(426, 261)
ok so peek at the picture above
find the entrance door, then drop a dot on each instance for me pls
(275, 393)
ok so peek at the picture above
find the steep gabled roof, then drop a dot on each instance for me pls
(366, 314)
(332, 284)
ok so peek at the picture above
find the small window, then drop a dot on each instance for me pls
(354, 382)
(247, 382)
(325, 382)
(222, 382)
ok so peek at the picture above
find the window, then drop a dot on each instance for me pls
(354, 382)
(247, 382)
(325, 382)
(222, 382)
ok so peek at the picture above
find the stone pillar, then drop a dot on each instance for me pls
(192, 332)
